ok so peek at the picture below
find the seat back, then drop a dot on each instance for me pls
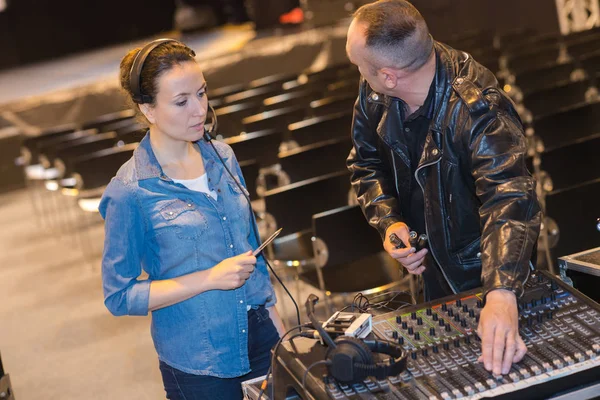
(318, 129)
(569, 125)
(575, 211)
(545, 77)
(276, 119)
(573, 164)
(250, 171)
(47, 147)
(556, 98)
(106, 119)
(66, 152)
(315, 159)
(98, 168)
(230, 117)
(293, 205)
(262, 146)
(347, 235)
(334, 104)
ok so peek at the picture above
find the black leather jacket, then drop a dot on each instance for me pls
(481, 210)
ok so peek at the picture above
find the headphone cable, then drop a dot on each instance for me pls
(208, 137)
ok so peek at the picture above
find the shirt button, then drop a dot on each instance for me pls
(189, 204)
(219, 190)
(406, 129)
(224, 218)
(170, 212)
(243, 331)
(231, 246)
(241, 301)
(435, 152)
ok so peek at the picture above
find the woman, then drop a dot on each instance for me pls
(174, 211)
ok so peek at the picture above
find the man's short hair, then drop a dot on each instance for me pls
(396, 34)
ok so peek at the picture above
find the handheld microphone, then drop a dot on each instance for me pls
(209, 137)
(310, 311)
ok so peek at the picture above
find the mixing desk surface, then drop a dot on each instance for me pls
(560, 327)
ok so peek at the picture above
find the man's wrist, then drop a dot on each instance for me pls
(500, 295)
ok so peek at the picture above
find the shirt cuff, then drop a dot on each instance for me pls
(138, 298)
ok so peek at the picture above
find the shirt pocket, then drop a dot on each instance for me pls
(183, 219)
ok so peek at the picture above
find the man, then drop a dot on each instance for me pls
(439, 149)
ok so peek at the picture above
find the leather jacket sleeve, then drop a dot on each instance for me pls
(371, 176)
(510, 212)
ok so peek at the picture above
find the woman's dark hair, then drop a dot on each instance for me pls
(160, 60)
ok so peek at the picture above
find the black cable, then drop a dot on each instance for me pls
(309, 368)
(265, 383)
(209, 139)
(276, 347)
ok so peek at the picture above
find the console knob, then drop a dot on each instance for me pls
(417, 336)
(428, 311)
(404, 325)
(472, 313)
(458, 303)
(444, 307)
(456, 343)
(401, 340)
(432, 331)
(424, 352)
(395, 334)
(448, 328)
(479, 303)
(463, 323)
(450, 312)
(413, 315)
(410, 330)
(419, 321)
(446, 346)
(435, 317)
(465, 308)
(442, 323)
(435, 349)
(413, 355)
(398, 319)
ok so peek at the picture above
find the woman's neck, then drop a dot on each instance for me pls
(179, 159)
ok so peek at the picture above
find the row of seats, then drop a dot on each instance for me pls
(291, 136)
(298, 131)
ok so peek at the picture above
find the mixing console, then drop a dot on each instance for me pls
(560, 326)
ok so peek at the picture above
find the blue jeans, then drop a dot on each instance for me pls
(262, 336)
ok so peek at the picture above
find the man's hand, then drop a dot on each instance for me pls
(498, 329)
(413, 262)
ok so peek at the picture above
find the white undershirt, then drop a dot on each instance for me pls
(199, 184)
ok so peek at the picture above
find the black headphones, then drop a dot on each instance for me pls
(136, 69)
(350, 360)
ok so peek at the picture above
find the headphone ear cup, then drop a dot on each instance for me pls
(348, 352)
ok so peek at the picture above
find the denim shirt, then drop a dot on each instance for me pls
(160, 226)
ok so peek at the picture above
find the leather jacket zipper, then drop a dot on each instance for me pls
(427, 230)
(395, 174)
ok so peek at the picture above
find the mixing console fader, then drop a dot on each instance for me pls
(560, 326)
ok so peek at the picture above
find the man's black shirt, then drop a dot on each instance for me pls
(414, 131)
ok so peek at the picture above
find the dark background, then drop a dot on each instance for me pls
(37, 30)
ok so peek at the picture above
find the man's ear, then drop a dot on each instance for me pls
(148, 112)
(390, 80)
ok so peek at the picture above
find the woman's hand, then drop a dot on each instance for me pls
(233, 272)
